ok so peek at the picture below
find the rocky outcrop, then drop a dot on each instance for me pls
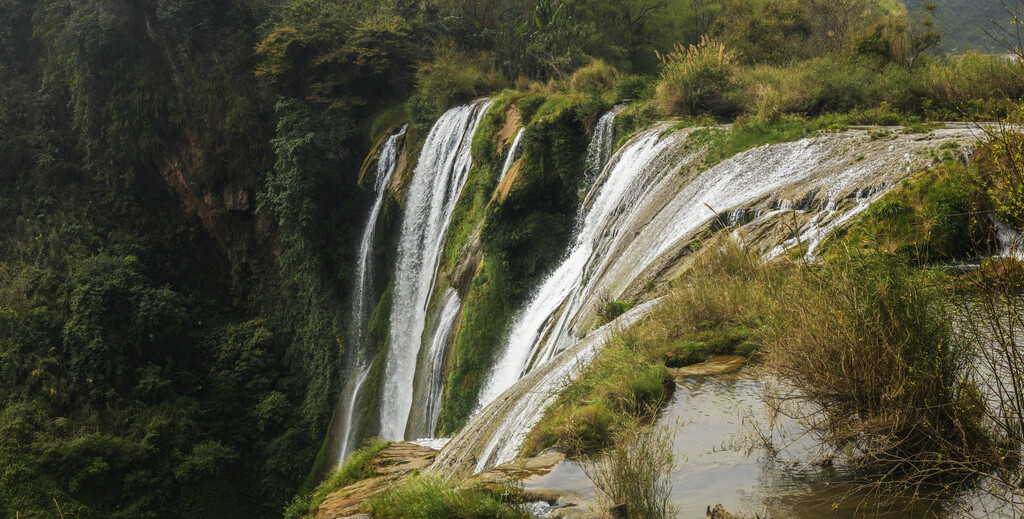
(391, 464)
(470, 257)
(719, 513)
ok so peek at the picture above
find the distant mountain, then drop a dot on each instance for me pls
(963, 22)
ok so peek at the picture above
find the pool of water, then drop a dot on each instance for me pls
(721, 459)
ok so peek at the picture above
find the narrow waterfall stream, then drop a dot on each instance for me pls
(513, 154)
(386, 163)
(437, 181)
(450, 305)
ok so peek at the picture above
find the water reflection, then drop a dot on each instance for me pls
(722, 460)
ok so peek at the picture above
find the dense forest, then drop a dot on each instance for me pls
(180, 195)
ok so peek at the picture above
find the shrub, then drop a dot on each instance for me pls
(613, 309)
(635, 475)
(869, 341)
(636, 88)
(696, 79)
(595, 78)
(455, 76)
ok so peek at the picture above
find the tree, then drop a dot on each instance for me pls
(835, 21)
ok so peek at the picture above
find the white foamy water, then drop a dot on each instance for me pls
(436, 184)
(386, 163)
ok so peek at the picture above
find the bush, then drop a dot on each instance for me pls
(636, 88)
(696, 79)
(455, 76)
(595, 78)
(612, 310)
(869, 341)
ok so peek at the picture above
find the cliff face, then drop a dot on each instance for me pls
(169, 347)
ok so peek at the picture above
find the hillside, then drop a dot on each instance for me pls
(186, 189)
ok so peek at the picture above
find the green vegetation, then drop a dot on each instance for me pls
(940, 215)
(522, 234)
(635, 475)
(429, 498)
(179, 201)
(623, 385)
(356, 467)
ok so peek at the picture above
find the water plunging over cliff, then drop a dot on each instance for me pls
(638, 221)
(513, 154)
(614, 195)
(450, 305)
(600, 149)
(386, 162)
(437, 181)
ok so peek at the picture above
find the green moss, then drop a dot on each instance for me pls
(377, 335)
(936, 216)
(487, 310)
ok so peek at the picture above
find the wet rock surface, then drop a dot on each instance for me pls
(717, 365)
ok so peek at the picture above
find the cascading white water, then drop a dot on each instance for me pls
(614, 194)
(450, 306)
(513, 154)
(436, 184)
(639, 218)
(386, 162)
(494, 435)
(1011, 243)
(599, 151)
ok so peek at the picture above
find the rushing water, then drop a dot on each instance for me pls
(599, 151)
(450, 305)
(386, 162)
(638, 220)
(514, 153)
(437, 181)
(613, 197)
(494, 435)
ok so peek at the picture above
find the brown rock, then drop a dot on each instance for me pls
(236, 198)
(719, 513)
(393, 463)
(716, 365)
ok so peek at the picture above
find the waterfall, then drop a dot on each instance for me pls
(386, 162)
(513, 154)
(436, 184)
(1011, 243)
(641, 214)
(600, 148)
(450, 306)
(613, 196)
(495, 434)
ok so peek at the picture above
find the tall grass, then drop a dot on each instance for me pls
(695, 79)
(868, 343)
(425, 497)
(634, 476)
